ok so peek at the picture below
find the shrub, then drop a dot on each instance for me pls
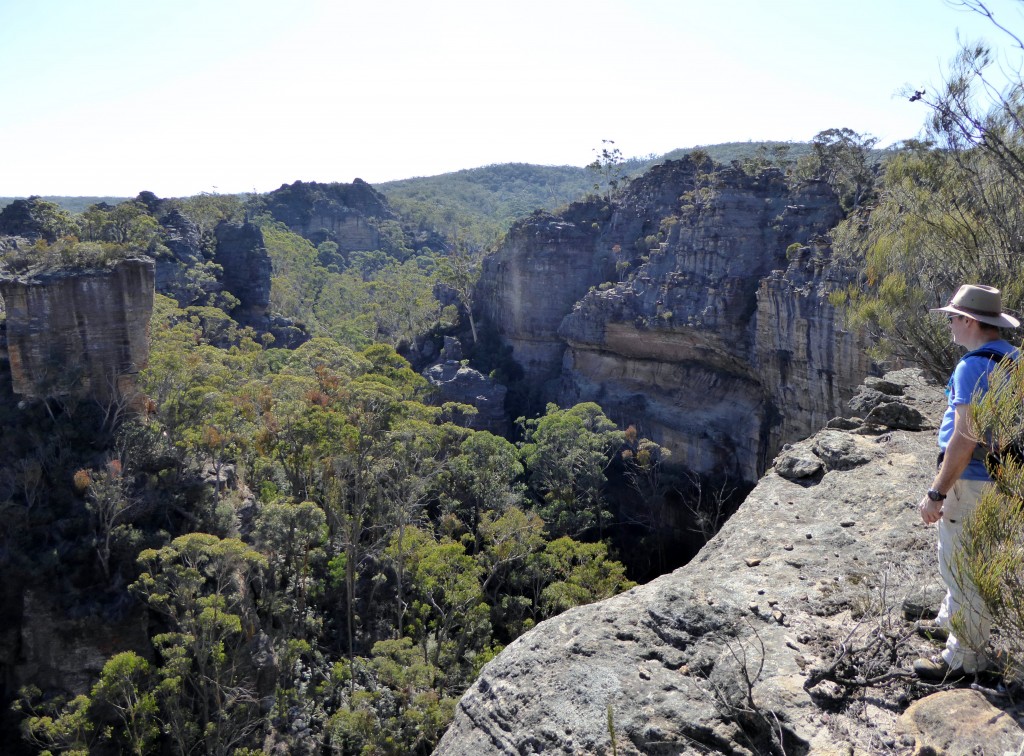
(992, 557)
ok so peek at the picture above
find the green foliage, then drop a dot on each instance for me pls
(70, 204)
(484, 476)
(479, 205)
(846, 160)
(568, 452)
(64, 254)
(200, 584)
(950, 211)
(583, 574)
(991, 556)
(389, 557)
(378, 298)
(942, 218)
(377, 519)
(609, 168)
(397, 708)
(128, 223)
(126, 694)
(459, 270)
(206, 210)
(779, 154)
(55, 724)
(991, 559)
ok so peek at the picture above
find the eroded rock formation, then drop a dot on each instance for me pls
(340, 213)
(242, 253)
(456, 382)
(695, 307)
(234, 260)
(736, 650)
(180, 272)
(79, 332)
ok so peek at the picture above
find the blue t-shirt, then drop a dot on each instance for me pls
(969, 376)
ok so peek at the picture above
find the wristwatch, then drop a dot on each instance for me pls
(935, 495)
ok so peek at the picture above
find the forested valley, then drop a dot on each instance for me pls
(296, 549)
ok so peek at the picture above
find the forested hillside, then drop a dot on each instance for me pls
(479, 204)
(71, 204)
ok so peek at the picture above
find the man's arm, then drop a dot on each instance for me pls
(958, 455)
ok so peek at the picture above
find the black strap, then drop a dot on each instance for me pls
(992, 354)
(981, 451)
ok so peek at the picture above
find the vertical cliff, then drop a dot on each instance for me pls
(79, 332)
(694, 306)
(545, 266)
(807, 361)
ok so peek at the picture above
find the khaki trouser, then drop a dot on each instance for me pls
(967, 649)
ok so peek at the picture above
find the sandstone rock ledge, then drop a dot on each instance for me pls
(724, 655)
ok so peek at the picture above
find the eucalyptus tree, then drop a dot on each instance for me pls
(201, 586)
(950, 209)
(567, 453)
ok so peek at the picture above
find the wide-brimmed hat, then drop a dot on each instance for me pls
(983, 303)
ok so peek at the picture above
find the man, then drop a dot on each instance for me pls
(975, 317)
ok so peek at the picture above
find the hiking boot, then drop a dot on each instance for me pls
(931, 630)
(935, 669)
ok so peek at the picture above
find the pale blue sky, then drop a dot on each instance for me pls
(185, 96)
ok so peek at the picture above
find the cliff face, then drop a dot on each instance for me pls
(242, 253)
(678, 311)
(806, 361)
(746, 649)
(79, 332)
(545, 266)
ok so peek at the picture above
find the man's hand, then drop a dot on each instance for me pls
(931, 511)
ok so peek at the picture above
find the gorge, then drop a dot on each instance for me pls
(694, 309)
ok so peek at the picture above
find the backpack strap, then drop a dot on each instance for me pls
(982, 453)
(991, 354)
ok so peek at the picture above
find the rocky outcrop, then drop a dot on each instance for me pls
(340, 213)
(235, 261)
(756, 645)
(808, 363)
(246, 274)
(79, 332)
(181, 272)
(455, 382)
(242, 253)
(32, 218)
(545, 266)
(694, 307)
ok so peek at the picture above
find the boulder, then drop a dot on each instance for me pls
(458, 383)
(961, 721)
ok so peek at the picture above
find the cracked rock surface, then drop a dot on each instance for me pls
(786, 633)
